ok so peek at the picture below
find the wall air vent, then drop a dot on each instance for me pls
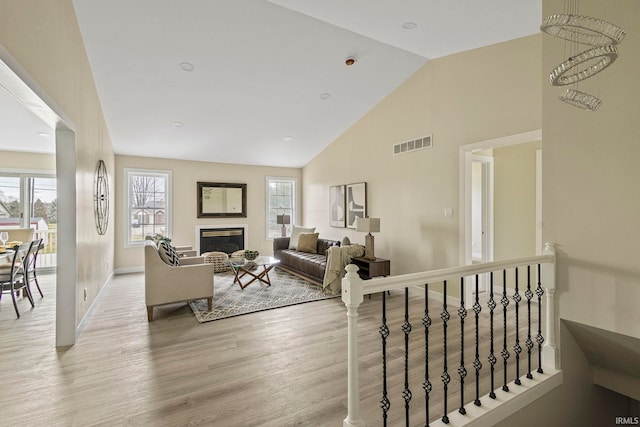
(413, 145)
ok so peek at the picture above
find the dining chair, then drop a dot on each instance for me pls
(29, 264)
(12, 276)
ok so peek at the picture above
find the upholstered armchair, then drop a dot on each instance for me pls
(166, 284)
(186, 251)
(182, 251)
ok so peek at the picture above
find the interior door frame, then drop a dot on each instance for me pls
(487, 206)
(539, 247)
(465, 160)
(17, 81)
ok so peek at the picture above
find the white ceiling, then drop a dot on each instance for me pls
(261, 68)
(20, 129)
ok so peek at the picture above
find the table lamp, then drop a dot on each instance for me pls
(283, 220)
(368, 225)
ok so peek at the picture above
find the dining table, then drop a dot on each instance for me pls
(6, 256)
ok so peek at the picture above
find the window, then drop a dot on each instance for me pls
(148, 204)
(281, 200)
(28, 200)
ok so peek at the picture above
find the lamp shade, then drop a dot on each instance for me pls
(283, 219)
(368, 225)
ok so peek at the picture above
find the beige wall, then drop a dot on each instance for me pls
(591, 195)
(185, 175)
(460, 99)
(591, 206)
(591, 185)
(514, 200)
(10, 160)
(576, 402)
(44, 38)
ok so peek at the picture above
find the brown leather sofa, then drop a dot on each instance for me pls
(307, 265)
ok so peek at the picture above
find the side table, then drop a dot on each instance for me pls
(369, 268)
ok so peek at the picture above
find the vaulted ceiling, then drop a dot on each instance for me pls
(265, 82)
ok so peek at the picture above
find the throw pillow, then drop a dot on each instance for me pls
(345, 241)
(308, 242)
(237, 254)
(295, 235)
(354, 251)
(168, 253)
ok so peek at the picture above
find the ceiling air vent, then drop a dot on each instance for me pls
(413, 145)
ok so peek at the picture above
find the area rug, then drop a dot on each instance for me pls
(229, 300)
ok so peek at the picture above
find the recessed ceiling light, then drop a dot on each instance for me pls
(409, 25)
(187, 66)
(44, 134)
(288, 138)
(178, 124)
(325, 95)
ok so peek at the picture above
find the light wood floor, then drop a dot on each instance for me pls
(283, 367)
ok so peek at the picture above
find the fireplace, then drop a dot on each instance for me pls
(227, 239)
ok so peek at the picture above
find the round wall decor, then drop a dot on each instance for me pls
(101, 198)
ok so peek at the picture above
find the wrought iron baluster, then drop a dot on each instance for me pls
(462, 371)
(385, 404)
(492, 357)
(505, 353)
(406, 328)
(539, 337)
(426, 322)
(477, 308)
(516, 347)
(528, 294)
(445, 374)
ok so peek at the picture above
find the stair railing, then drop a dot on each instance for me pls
(540, 282)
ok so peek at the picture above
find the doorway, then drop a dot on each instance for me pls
(481, 212)
(24, 89)
(478, 202)
(481, 208)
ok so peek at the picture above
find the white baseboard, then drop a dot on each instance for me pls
(438, 296)
(128, 270)
(89, 312)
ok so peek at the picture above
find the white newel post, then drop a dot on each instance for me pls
(352, 298)
(549, 355)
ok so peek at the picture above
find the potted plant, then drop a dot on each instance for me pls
(158, 237)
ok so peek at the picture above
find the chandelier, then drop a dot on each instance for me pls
(602, 37)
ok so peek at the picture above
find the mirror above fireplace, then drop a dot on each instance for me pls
(222, 200)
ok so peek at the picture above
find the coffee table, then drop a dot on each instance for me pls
(242, 267)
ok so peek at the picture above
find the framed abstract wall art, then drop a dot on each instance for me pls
(337, 214)
(356, 202)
